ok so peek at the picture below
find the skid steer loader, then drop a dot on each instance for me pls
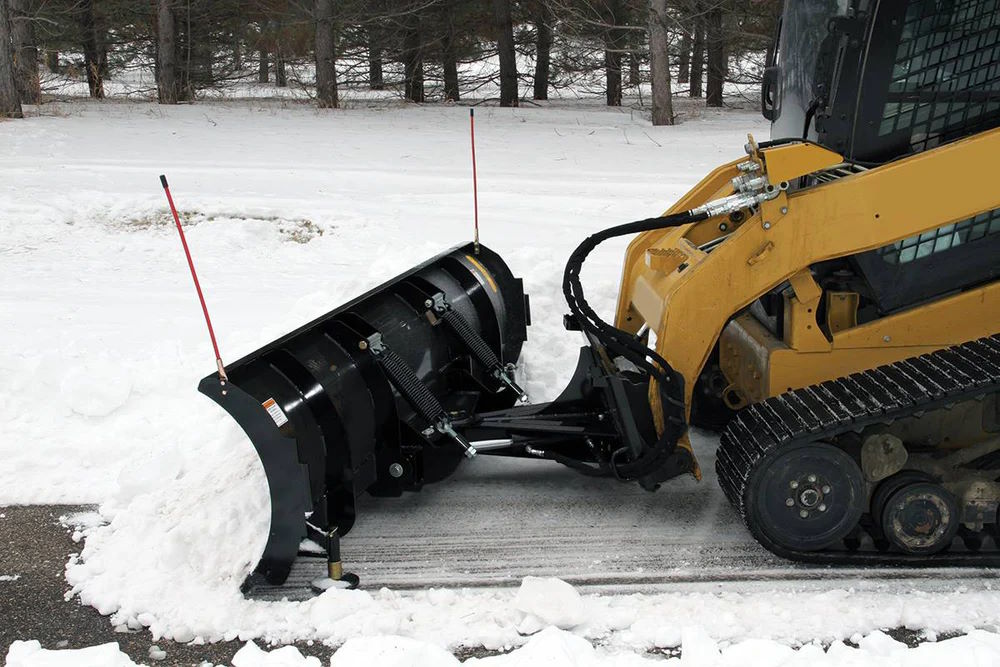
(830, 303)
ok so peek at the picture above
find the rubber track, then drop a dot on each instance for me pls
(880, 395)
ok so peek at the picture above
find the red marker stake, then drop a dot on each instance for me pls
(194, 276)
(475, 188)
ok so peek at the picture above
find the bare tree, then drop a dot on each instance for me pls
(166, 52)
(25, 52)
(326, 67)
(10, 103)
(659, 63)
(504, 26)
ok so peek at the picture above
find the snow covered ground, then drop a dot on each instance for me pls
(291, 211)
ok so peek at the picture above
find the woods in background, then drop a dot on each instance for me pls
(424, 50)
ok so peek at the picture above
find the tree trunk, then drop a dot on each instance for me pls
(659, 63)
(375, 80)
(504, 27)
(698, 57)
(263, 67)
(449, 62)
(280, 76)
(684, 61)
(717, 66)
(239, 29)
(613, 73)
(613, 47)
(52, 60)
(25, 53)
(95, 52)
(413, 62)
(633, 69)
(326, 65)
(10, 103)
(166, 53)
(200, 61)
(543, 51)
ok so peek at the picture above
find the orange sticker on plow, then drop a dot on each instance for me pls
(276, 414)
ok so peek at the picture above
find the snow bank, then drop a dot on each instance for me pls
(31, 654)
(287, 656)
(557, 648)
(553, 647)
(391, 651)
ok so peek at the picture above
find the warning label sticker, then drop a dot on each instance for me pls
(276, 414)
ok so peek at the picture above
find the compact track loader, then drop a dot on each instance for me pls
(830, 303)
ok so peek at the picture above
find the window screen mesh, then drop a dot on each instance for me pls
(942, 238)
(946, 78)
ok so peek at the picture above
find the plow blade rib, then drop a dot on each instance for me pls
(327, 420)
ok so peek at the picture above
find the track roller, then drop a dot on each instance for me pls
(920, 518)
(807, 497)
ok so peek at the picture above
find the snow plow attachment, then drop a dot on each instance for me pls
(361, 398)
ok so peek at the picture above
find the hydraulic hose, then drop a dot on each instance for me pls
(670, 384)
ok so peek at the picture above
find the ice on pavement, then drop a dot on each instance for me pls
(106, 344)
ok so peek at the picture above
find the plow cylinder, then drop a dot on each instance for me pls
(330, 423)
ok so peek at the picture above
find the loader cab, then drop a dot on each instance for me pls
(875, 80)
(879, 80)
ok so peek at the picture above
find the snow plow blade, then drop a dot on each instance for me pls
(360, 399)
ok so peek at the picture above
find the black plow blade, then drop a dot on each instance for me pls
(362, 399)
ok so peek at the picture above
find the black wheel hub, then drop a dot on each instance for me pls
(806, 497)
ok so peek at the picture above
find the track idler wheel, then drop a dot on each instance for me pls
(806, 497)
(920, 518)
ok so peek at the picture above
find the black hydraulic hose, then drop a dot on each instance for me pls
(669, 382)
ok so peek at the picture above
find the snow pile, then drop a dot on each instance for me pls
(252, 655)
(391, 651)
(557, 648)
(548, 601)
(31, 654)
(209, 607)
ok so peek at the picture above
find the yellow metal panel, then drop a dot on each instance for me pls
(717, 184)
(948, 321)
(688, 309)
(841, 311)
(793, 160)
